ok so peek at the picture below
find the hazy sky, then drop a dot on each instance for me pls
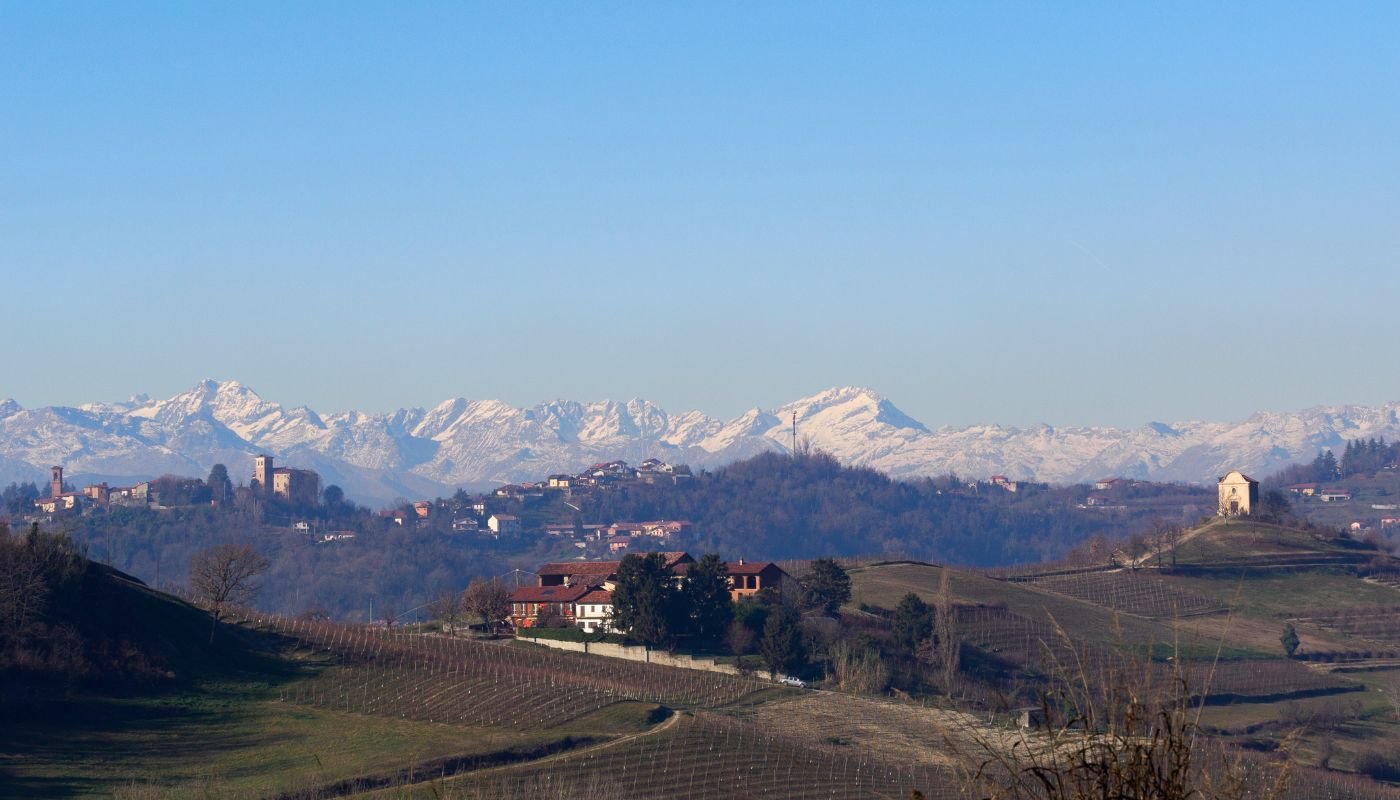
(988, 212)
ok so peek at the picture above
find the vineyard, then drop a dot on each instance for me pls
(440, 679)
(710, 755)
(734, 731)
(1375, 623)
(1130, 591)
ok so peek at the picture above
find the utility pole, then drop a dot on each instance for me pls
(794, 434)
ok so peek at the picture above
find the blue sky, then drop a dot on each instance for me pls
(988, 212)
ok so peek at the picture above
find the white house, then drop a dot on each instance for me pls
(504, 524)
(593, 610)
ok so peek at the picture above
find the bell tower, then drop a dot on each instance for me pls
(56, 485)
(262, 473)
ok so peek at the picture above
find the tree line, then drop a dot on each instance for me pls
(1359, 457)
(777, 506)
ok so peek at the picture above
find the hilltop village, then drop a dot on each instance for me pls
(293, 486)
(293, 498)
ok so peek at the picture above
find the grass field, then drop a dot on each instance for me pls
(228, 740)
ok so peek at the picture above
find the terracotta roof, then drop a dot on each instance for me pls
(548, 594)
(749, 567)
(597, 596)
(603, 568)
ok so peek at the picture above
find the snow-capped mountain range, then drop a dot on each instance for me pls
(479, 443)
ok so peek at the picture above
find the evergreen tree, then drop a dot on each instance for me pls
(220, 487)
(1289, 640)
(645, 602)
(782, 641)
(706, 599)
(1328, 468)
(826, 586)
(913, 622)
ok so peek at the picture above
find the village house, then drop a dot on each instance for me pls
(1096, 500)
(1303, 489)
(138, 495)
(1332, 495)
(579, 593)
(532, 606)
(666, 527)
(1104, 484)
(503, 524)
(593, 611)
(1004, 482)
(568, 573)
(560, 481)
(750, 578)
(1238, 495)
(617, 544)
(626, 529)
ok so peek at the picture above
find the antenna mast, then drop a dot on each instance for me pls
(794, 434)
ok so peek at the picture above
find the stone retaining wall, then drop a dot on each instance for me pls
(637, 653)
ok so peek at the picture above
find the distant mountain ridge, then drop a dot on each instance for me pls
(476, 443)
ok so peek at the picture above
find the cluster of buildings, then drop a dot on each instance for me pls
(301, 486)
(599, 477)
(578, 594)
(1329, 494)
(491, 515)
(60, 501)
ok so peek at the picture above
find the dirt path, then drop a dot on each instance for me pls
(592, 748)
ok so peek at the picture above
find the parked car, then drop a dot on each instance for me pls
(791, 681)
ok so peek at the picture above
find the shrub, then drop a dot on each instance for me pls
(1379, 766)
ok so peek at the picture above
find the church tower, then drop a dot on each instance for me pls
(262, 473)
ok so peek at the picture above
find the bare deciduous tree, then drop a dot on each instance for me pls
(447, 609)
(489, 600)
(226, 575)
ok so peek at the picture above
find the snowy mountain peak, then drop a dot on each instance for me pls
(850, 403)
(477, 443)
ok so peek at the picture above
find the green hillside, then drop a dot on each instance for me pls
(1214, 605)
